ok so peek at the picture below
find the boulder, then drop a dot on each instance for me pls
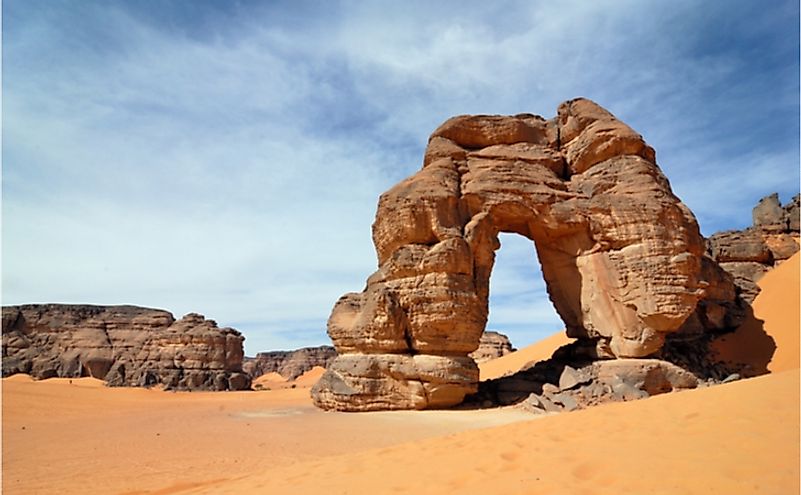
(745, 245)
(492, 345)
(571, 378)
(746, 275)
(792, 211)
(652, 376)
(769, 215)
(781, 245)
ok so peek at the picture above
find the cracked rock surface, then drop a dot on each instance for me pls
(123, 345)
(622, 257)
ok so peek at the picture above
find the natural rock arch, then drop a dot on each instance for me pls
(622, 257)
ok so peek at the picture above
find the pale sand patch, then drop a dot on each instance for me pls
(269, 378)
(738, 438)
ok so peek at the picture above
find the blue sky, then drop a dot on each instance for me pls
(226, 157)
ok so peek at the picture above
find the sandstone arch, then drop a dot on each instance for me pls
(622, 257)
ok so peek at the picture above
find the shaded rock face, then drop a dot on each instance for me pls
(123, 345)
(491, 345)
(289, 364)
(748, 254)
(622, 257)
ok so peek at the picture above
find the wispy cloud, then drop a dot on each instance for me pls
(228, 160)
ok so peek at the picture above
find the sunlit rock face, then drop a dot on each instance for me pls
(622, 257)
(123, 345)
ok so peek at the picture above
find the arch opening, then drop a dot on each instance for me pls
(519, 305)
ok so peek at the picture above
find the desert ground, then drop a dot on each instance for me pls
(78, 436)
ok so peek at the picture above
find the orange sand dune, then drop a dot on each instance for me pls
(778, 305)
(776, 317)
(738, 438)
(274, 381)
(514, 361)
(271, 377)
(309, 378)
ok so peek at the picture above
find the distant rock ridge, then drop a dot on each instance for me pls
(492, 345)
(750, 253)
(289, 364)
(292, 364)
(122, 345)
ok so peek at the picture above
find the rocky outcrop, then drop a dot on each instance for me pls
(289, 364)
(123, 345)
(622, 257)
(615, 380)
(748, 254)
(491, 345)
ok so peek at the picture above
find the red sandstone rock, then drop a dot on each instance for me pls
(123, 345)
(620, 254)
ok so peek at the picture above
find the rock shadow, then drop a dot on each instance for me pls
(748, 350)
(712, 357)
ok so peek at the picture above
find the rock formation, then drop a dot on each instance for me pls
(289, 364)
(491, 345)
(614, 380)
(748, 254)
(292, 364)
(622, 257)
(123, 345)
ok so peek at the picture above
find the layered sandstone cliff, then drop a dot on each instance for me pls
(289, 364)
(748, 254)
(292, 364)
(123, 345)
(622, 257)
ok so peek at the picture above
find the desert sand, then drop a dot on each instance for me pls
(510, 363)
(78, 436)
(62, 436)
(776, 314)
(274, 381)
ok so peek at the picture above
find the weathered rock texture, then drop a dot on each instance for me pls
(622, 257)
(614, 380)
(289, 364)
(491, 345)
(292, 364)
(748, 254)
(123, 345)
